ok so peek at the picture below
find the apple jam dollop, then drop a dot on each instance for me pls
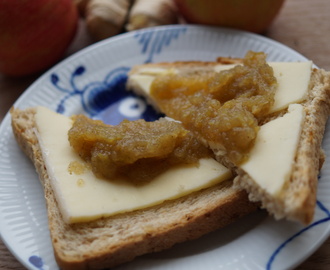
(137, 150)
(221, 108)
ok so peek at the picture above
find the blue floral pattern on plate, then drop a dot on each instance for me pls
(37, 262)
(109, 97)
(153, 42)
(106, 100)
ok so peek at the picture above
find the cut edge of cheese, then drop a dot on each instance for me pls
(83, 197)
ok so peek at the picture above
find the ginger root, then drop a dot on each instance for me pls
(106, 18)
(148, 13)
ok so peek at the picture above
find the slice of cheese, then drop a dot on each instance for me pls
(292, 77)
(272, 157)
(83, 197)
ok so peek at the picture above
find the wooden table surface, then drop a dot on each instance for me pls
(303, 25)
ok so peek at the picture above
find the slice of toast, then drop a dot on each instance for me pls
(107, 242)
(297, 200)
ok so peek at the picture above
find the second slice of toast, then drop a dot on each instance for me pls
(297, 199)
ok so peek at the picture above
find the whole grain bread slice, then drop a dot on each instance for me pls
(111, 241)
(298, 200)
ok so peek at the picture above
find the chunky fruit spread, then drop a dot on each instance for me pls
(139, 150)
(220, 107)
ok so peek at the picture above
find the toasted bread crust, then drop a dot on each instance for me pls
(108, 242)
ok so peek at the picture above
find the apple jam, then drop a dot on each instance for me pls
(221, 108)
(137, 150)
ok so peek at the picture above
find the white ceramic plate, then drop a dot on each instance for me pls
(92, 82)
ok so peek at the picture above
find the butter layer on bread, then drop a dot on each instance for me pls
(298, 84)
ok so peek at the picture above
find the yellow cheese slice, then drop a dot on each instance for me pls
(272, 157)
(292, 77)
(293, 83)
(83, 197)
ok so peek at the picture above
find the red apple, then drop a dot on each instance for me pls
(249, 15)
(34, 34)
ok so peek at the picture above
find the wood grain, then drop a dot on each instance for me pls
(303, 25)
